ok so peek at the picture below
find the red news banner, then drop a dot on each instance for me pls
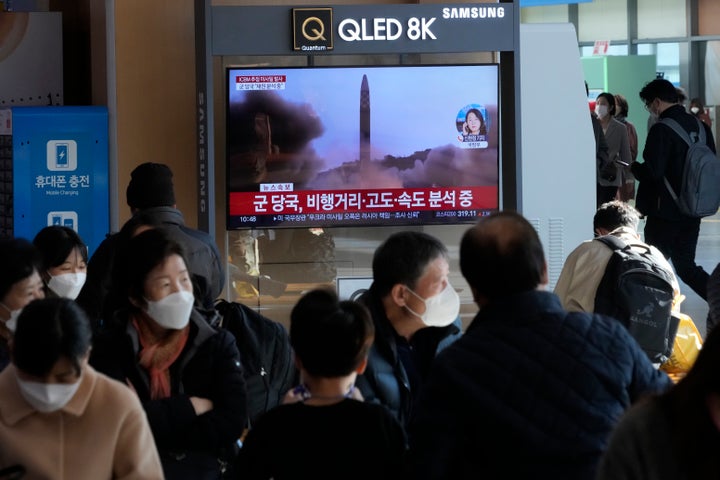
(380, 200)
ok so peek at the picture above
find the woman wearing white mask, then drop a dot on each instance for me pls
(20, 284)
(59, 418)
(186, 373)
(627, 191)
(64, 261)
(698, 109)
(610, 176)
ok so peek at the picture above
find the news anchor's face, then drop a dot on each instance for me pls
(473, 123)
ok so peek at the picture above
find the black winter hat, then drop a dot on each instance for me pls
(151, 185)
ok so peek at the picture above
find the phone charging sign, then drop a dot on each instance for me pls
(60, 171)
(63, 219)
(62, 155)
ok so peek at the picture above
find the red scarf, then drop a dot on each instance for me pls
(158, 353)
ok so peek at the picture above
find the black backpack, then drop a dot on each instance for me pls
(639, 293)
(265, 354)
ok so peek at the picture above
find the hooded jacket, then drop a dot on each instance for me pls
(99, 297)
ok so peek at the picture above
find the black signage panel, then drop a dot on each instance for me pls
(312, 29)
(362, 29)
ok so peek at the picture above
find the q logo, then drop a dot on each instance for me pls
(318, 34)
(312, 29)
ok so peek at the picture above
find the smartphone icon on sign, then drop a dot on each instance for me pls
(64, 219)
(61, 155)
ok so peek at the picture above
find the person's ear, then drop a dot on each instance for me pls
(600, 232)
(363, 365)
(86, 358)
(479, 299)
(84, 361)
(712, 403)
(136, 303)
(544, 279)
(397, 293)
(298, 362)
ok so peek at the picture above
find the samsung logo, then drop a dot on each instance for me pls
(473, 12)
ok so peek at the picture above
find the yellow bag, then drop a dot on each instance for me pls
(686, 347)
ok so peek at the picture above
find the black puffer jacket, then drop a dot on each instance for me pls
(209, 367)
(385, 380)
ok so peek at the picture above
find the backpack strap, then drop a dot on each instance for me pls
(612, 242)
(617, 243)
(675, 126)
(679, 130)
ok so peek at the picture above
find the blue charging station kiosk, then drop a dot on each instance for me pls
(60, 171)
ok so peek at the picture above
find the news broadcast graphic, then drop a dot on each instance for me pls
(344, 146)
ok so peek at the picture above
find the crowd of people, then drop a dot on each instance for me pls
(118, 366)
(661, 173)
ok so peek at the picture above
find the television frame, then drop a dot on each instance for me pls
(417, 201)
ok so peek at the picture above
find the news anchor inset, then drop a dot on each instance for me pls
(471, 124)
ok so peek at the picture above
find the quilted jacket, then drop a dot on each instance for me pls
(385, 380)
(530, 391)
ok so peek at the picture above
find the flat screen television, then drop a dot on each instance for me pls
(343, 146)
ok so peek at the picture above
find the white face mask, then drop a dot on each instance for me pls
(173, 311)
(11, 323)
(440, 310)
(67, 285)
(694, 110)
(601, 110)
(47, 397)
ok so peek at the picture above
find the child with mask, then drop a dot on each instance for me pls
(186, 373)
(20, 283)
(58, 417)
(331, 340)
(64, 261)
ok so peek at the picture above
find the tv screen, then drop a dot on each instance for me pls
(343, 146)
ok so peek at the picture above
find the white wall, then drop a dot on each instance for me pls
(558, 146)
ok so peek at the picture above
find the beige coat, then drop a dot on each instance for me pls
(616, 136)
(102, 433)
(585, 266)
